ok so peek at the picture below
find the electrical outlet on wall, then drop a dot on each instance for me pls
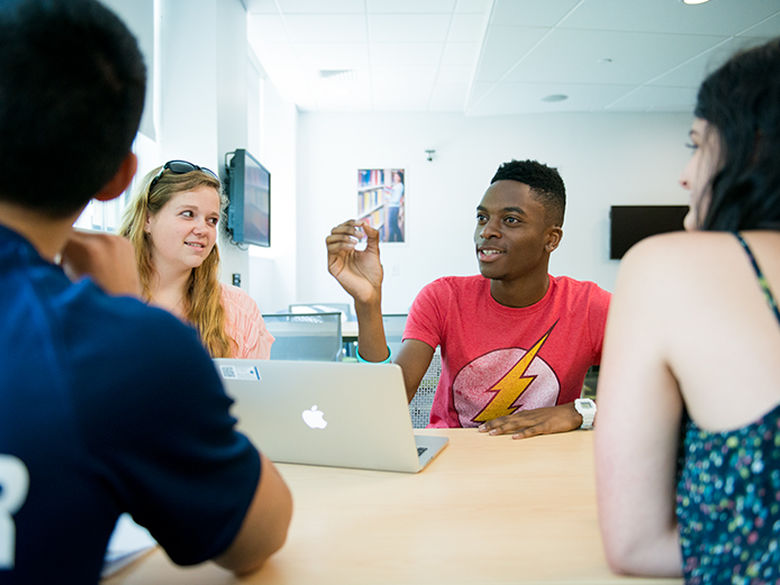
(236, 279)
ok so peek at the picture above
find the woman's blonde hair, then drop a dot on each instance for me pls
(203, 300)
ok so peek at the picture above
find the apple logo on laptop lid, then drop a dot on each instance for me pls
(314, 418)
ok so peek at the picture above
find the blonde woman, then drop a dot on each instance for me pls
(172, 223)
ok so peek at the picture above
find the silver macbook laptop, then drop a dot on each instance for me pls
(327, 413)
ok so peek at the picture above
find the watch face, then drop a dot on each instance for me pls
(585, 405)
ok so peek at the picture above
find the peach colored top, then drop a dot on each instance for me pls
(244, 323)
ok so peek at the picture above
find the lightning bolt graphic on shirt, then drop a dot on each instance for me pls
(509, 388)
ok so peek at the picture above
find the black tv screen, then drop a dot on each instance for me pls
(630, 223)
(249, 193)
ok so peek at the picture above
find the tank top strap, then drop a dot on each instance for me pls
(760, 276)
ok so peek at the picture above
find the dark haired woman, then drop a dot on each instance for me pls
(688, 429)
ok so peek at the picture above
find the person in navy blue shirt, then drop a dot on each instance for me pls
(107, 405)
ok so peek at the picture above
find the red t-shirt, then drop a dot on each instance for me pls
(497, 359)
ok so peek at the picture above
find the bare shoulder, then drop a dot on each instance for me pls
(699, 253)
(675, 271)
(678, 246)
(689, 301)
(676, 257)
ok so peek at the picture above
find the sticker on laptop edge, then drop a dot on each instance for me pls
(240, 372)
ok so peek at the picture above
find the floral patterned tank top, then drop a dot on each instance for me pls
(728, 496)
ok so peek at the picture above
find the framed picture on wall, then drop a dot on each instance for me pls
(381, 198)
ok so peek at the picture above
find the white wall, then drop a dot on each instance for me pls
(208, 104)
(138, 16)
(604, 159)
(212, 99)
(202, 99)
(272, 270)
(208, 99)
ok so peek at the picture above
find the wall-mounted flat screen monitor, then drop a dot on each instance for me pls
(249, 192)
(630, 223)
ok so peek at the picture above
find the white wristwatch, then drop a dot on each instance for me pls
(587, 409)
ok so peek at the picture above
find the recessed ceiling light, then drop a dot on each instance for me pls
(693, 2)
(555, 97)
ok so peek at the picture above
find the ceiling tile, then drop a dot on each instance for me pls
(692, 72)
(454, 74)
(473, 6)
(262, 7)
(321, 7)
(448, 97)
(326, 28)
(467, 28)
(402, 79)
(656, 99)
(480, 89)
(500, 54)
(333, 55)
(576, 56)
(515, 98)
(270, 54)
(401, 103)
(410, 6)
(530, 12)
(671, 16)
(405, 88)
(768, 28)
(406, 53)
(357, 98)
(503, 47)
(265, 28)
(339, 92)
(460, 54)
(415, 28)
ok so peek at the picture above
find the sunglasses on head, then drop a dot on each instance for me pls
(180, 167)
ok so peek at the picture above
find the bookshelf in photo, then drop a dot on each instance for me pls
(380, 199)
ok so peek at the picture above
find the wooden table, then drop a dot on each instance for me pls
(487, 510)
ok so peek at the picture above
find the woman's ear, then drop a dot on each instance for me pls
(121, 179)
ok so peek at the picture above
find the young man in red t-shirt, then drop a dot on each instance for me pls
(515, 341)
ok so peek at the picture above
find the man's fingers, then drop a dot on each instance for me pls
(350, 227)
(530, 432)
(553, 419)
(336, 244)
(371, 233)
(511, 422)
(108, 259)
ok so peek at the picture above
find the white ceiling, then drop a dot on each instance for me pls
(487, 57)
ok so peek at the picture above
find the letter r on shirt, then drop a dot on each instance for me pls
(14, 484)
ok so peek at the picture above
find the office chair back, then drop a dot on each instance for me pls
(313, 336)
(420, 406)
(394, 324)
(306, 308)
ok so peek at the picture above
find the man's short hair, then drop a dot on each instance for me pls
(72, 85)
(544, 181)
